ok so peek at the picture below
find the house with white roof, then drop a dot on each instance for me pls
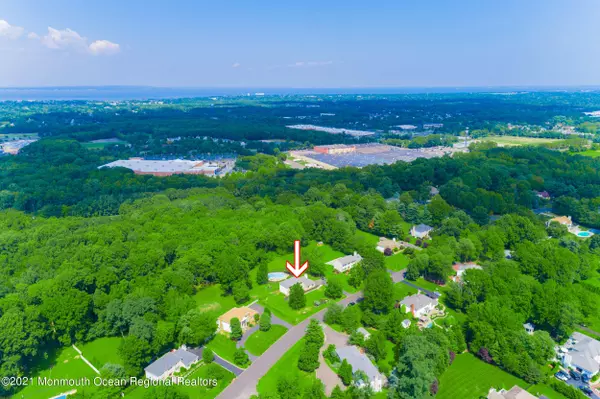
(583, 354)
(345, 263)
(421, 231)
(461, 268)
(360, 361)
(419, 304)
(306, 283)
(171, 362)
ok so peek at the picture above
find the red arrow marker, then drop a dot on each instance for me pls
(296, 269)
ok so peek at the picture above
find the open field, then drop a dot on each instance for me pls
(260, 341)
(101, 144)
(471, 378)
(514, 140)
(101, 351)
(209, 299)
(286, 366)
(66, 364)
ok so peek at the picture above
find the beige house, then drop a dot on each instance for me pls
(515, 392)
(564, 220)
(244, 314)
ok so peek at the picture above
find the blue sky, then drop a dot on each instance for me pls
(325, 43)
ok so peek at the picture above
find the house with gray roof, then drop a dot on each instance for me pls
(360, 361)
(421, 231)
(419, 304)
(363, 332)
(306, 283)
(345, 263)
(171, 362)
(582, 354)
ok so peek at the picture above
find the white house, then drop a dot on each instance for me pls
(419, 304)
(360, 361)
(421, 231)
(244, 315)
(461, 268)
(583, 354)
(345, 263)
(363, 332)
(164, 367)
(306, 283)
(529, 328)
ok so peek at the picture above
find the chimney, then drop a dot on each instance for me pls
(412, 309)
(355, 253)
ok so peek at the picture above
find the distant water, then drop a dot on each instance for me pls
(146, 92)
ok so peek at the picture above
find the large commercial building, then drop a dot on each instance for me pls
(142, 166)
(335, 149)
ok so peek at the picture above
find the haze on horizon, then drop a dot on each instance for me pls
(308, 44)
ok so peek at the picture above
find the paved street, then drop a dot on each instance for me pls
(329, 378)
(244, 385)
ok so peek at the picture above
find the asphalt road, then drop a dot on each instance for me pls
(220, 361)
(244, 385)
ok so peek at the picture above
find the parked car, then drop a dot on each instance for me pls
(586, 390)
(351, 304)
(561, 375)
(575, 375)
(585, 378)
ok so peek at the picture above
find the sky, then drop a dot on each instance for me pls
(300, 44)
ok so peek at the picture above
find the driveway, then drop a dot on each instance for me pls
(329, 378)
(577, 384)
(220, 361)
(397, 276)
(274, 319)
(244, 385)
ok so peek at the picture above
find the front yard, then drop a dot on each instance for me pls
(260, 341)
(223, 346)
(278, 304)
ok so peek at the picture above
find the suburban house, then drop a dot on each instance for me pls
(529, 328)
(244, 314)
(345, 263)
(360, 361)
(421, 231)
(419, 304)
(515, 392)
(582, 353)
(164, 367)
(433, 191)
(387, 243)
(564, 220)
(363, 332)
(461, 268)
(542, 194)
(306, 283)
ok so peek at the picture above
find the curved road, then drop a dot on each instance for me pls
(244, 385)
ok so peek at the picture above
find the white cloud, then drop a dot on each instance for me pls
(303, 64)
(64, 39)
(104, 47)
(236, 65)
(68, 39)
(10, 31)
(33, 36)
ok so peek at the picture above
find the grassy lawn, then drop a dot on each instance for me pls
(402, 290)
(260, 341)
(342, 277)
(396, 262)
(66, 364)
(421, 282)
(368, 238)
(100, 145)
(203, 372)
(209, 299)
(389, 356)
(223, 346)
(194, 392)
(471, 378)
(286, 366)
(279, 306)
(514, 140)
(588, 153)
(101, 351)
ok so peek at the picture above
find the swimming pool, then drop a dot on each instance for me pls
(277, 276)
(584, 234)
